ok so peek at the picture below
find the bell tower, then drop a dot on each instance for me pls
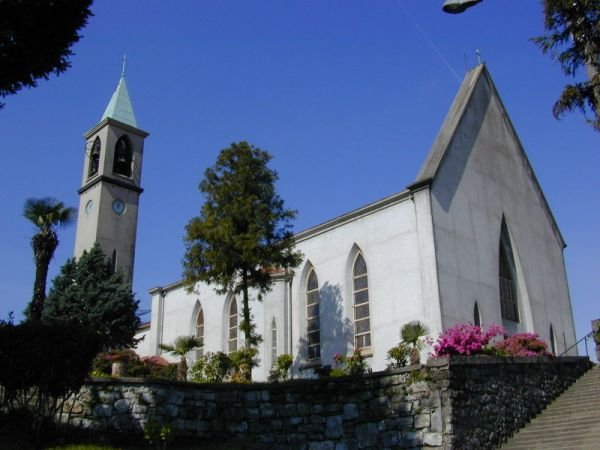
(111, 183)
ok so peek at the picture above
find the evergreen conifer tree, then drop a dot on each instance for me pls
(243, 232)
(90, 293)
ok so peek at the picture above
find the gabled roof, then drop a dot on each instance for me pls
(452, 127)
(119, 107)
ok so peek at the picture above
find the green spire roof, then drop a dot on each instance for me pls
(119, 107)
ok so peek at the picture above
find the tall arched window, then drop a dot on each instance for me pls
(123, 157)
(360, 283)
(233, 327)
(507, 279)
(94, 158)
(552, 340)
(113, 260)
(476, 315)
(313, 326)
(273, 342)
(200, 332)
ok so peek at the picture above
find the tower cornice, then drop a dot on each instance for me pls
(122, 125)
(106, 179)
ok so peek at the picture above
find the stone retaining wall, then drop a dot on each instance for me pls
(473, 402)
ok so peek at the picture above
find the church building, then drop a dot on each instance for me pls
(471, 239)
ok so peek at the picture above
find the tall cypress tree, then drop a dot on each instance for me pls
(243, 232)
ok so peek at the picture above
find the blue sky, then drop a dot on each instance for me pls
(346, 95)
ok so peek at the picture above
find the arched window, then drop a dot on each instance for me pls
(313, 326)
(360, 283)
(273, 342)
(113, 260)
(507, 279)
(200, 332)
(476, 315)
(123, 157)
(552, 340)
(94, 158)
(233, 327)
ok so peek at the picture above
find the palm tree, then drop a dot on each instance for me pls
(48, 215)
(412, 333)
(181, 347)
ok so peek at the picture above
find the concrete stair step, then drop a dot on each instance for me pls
(571, 422)
(585, 445)
(544, 427)
(571, 410)
(572, 439)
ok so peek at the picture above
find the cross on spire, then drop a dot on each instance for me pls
(124, 65)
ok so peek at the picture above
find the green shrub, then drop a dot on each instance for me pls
(211, 368)
(354, 364)
(158, 433)
(398, 356)
(43, 364)
(242, 362)
(281, 370)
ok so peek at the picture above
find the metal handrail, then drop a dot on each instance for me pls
(587, 336)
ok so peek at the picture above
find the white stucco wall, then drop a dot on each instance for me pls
(484, 176)
(387, 237)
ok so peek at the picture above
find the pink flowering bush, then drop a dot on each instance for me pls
(522, 344)
(466, 339)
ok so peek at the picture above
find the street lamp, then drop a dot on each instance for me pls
(458, 6)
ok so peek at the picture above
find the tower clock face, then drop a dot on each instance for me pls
(118, 207)
(88, 207)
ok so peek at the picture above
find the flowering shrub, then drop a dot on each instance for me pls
(353, 364)
(522, 344)
(465, 339)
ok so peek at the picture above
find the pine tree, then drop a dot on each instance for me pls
(573, 38)
(243, 232)
(36, 37)
(90, 293)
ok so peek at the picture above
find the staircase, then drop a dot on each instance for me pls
(572, 421)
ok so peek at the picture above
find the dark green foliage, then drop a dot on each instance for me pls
(243, 233)
(35, 39)
(87, 292)
(573, 39)
(42, 364)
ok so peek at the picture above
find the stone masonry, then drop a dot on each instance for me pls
(458, 402)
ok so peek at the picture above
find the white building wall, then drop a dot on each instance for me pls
(483, 177)
(387, 239)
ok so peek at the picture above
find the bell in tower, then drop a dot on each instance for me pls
(110, 188)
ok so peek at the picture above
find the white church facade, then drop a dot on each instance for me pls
(472, 239)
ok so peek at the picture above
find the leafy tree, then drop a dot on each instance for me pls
(181, 347)
(36, 37)
(243, 232)
(88, 292)
(47, 214)
(573, 38)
